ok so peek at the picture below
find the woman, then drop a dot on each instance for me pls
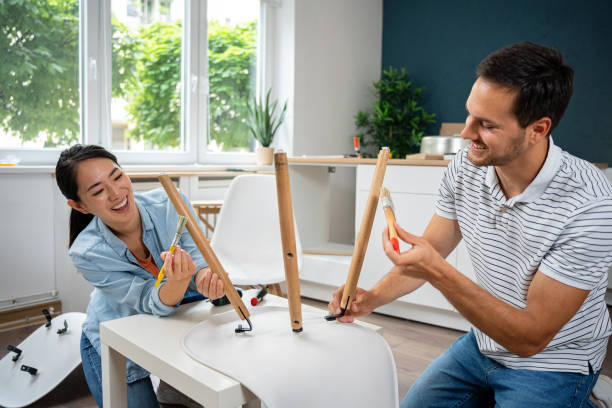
(116, 242)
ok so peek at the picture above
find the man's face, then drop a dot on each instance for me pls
(497, 138)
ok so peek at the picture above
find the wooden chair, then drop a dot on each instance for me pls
(205, 210)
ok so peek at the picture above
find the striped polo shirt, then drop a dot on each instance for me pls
(561, 225)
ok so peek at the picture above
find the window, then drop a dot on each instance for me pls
(156, 81)
(232, 72)
(147, 41)
(39, 97)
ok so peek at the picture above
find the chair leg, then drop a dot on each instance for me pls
(207, 224)
(275, 289)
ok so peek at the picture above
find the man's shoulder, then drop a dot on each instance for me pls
(580, 179)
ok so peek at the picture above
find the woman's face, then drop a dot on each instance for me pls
(105, 191)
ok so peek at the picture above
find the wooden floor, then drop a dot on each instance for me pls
(413, 345)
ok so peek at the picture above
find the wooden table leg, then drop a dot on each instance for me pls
(114, 385)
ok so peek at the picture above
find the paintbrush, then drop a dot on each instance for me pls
(387, 205)
(180, 226)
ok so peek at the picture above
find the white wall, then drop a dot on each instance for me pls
(338, 52)
(282, 66)
(34, 243)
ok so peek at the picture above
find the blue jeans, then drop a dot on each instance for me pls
(463, 377)
(139, 393)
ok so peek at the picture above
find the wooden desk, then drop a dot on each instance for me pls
(154, 344)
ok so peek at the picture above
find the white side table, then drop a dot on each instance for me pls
(154, 344)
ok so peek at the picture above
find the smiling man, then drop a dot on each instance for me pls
(537, 223)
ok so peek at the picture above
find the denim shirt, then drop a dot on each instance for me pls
(121, 286)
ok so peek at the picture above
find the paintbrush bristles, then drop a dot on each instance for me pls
(384, 192)
(180, 226)
(385, 197)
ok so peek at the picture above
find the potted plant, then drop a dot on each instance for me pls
(397, 119)
(263, 122)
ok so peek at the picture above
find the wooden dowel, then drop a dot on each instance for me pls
(364, 230)
(204, 246)
(285, 215)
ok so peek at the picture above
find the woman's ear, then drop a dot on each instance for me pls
(77, 206)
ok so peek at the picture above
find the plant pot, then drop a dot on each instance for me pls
(264, 155)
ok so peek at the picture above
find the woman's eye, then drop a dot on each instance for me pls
(97, 193)
(119, 176)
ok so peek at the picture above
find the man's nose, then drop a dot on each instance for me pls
(468, 131)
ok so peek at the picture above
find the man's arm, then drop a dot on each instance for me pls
(525, 332)
(442, 233)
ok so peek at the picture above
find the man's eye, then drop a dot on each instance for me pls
(97, 192)
(119, 176)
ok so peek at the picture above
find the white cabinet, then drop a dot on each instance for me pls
(414, 190)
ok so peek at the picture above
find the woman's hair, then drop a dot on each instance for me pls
(66, 177)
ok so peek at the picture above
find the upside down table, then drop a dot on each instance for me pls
(154, 343)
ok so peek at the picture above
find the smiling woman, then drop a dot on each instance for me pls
(116, 242)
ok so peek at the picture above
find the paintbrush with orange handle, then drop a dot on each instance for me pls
(387, 205)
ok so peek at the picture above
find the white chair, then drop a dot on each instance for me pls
(247, 238)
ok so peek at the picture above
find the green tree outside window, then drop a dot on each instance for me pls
(40, 90)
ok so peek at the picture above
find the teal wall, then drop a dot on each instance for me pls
(441, 42)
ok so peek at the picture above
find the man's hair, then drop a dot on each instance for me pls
(543, 80)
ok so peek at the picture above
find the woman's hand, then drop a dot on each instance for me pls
(209, 284)
(179, 266)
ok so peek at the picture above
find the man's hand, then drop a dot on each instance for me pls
(179, 266)
(361, 305)
(209, 284)
(419, 261)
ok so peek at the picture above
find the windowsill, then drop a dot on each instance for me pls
(153, 170)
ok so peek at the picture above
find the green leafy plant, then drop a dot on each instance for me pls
(397, 120)
(263, 120)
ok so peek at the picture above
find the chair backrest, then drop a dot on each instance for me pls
(247, 237)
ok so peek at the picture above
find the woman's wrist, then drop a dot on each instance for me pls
(172, 291)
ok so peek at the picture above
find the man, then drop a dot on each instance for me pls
(537, 223)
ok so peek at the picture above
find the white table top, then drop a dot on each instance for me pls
(154, 344)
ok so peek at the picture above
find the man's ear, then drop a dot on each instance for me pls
(538, 130)
(77, 206)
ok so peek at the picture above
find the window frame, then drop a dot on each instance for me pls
(95, 67)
